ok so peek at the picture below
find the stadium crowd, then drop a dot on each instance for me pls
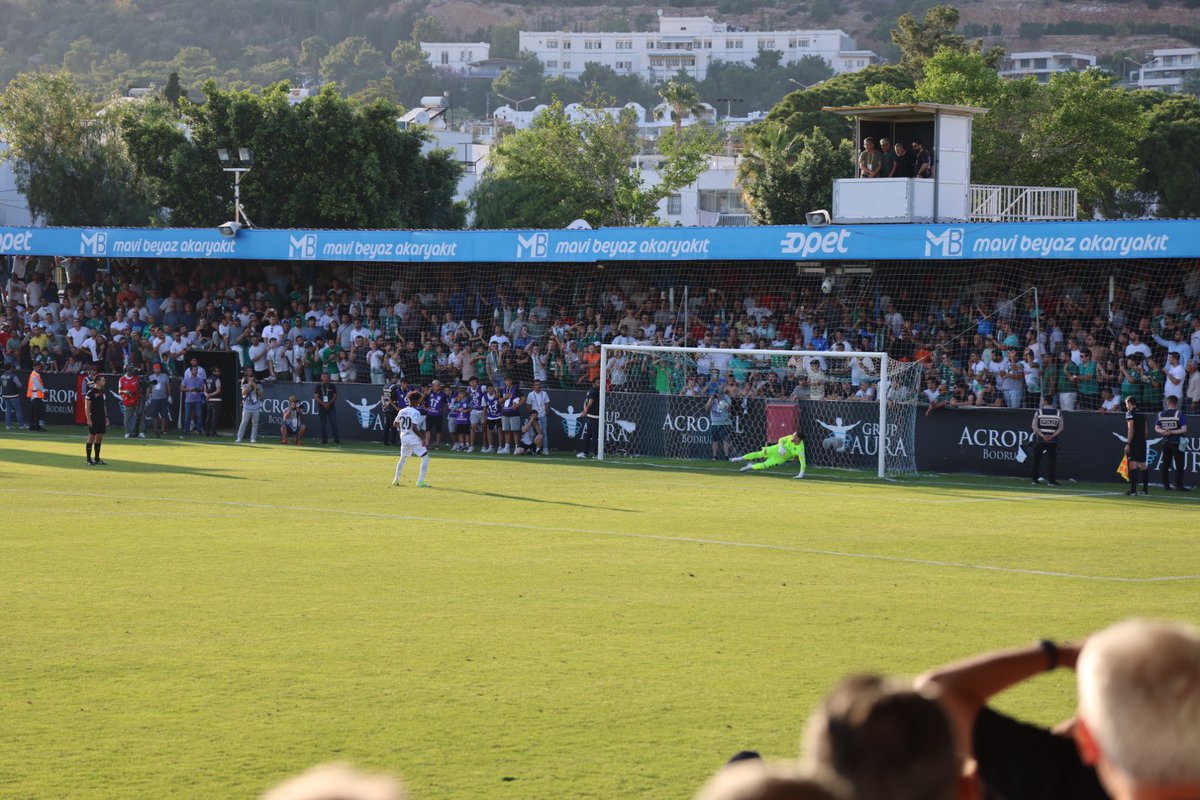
(982, 336)
(1134, 736)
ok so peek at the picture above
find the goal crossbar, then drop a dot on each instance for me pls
(881, 400)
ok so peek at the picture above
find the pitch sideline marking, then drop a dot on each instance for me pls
(631, 535)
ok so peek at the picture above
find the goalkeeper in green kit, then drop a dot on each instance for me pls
(772, 455)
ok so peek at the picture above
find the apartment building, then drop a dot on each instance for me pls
(1043, 63)
(690, 44)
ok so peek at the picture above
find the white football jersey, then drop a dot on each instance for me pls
(409, 421)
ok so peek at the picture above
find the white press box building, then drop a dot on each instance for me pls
(690, 44)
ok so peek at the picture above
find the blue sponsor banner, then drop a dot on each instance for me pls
(1025, 240)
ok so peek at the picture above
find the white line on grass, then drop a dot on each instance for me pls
(624, 535)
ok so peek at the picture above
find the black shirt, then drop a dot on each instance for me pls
(326, 393)
(1138, 439)
(95, 400)
(592, 402)
(1024, 762)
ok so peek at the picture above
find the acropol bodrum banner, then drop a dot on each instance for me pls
(1141, 239)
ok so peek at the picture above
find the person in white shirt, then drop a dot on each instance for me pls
(258, 357)
(1193, 387)
(1177, 345)
(118, 327)
(1175, 380)
(1136, 345)
(623, 339)
(272, 330)
(78, 334)
(539, 400)
(409, 421)
(1109, 402)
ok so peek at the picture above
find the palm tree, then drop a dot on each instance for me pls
(769, 152)
(683, 99)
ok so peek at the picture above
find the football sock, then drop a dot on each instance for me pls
(96, 449)
(1133, 479)
(400, 465)
(1145, 474)
(89, 451)
(424, 467)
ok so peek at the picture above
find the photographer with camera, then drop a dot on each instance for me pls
(252, 404)
(129, 387)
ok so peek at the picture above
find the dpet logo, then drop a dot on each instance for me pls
(949, 242)
(997, 445)
(803, 245)
(367, 419)
(304, 246)
(93, 244)
(860, 438)
(536, 245)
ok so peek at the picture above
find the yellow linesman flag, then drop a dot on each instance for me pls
(1123, 468)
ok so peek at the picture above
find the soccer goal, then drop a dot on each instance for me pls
(856, 410)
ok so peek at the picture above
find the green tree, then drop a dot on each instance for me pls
(428, 29)
(683, 100)
(1076, 131)
(1170, 153)
(323, 163)
(505, 40)
(312, 50)
(68, 159)
(525, 80)
(937, 30)
(558, 170)
(801, 111)
(172, 92)
(352, 62)
(784, 175)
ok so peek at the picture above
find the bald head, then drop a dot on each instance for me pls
(754, 780)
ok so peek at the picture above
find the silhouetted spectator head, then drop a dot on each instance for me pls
(755, 780)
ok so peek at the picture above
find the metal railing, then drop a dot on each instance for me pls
(1022, 203)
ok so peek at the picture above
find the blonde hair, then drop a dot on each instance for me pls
(1139, 696)
(337, 782)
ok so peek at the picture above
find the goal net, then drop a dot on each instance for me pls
(856, 410)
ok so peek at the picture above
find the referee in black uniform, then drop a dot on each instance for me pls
(1047, 425)
(97, 419)
(1172, 426)
(1135, 447)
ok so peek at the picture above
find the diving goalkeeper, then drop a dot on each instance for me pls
(772, 455)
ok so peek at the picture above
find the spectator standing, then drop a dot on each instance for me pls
(1175, 377)
(437, 403)
(904, 162)
(1171, 425)
(1087, 381)
(589, 432)
(870, 160)
(252, 396)
(192, 387)
(538, 401)
(212, 402)
(718, 407)
(510, 412)
(129, 387)
(10, 395)
(388, 411)
(160, 392)
(922, 160)
(1193, 387)
(325, 395)
(888, 168)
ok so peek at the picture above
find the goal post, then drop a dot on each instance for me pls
(856, 410)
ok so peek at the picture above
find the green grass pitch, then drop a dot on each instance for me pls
(200, 620)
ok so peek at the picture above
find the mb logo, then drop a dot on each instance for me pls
(535, 245)
(93, 244)
(302, 246)
(949, 241)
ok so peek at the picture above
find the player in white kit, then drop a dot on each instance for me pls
(409, 421)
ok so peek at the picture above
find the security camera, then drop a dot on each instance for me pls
(827, 285)
(230, 228)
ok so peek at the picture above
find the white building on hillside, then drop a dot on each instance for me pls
(690, 44)
(1166, 69)
(456, 56)
(713, 199)
(1043, 64)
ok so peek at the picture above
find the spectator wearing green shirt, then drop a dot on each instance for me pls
(1152, 385)
(1131, 380)
(1068, 372)
(1087, 383)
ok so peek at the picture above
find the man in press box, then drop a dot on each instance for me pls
(1047, 427)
